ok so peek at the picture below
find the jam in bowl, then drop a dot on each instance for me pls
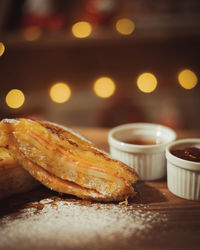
(189, 153)
(183, 168)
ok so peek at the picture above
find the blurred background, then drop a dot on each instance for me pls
(101, 62)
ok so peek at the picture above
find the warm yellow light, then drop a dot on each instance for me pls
(104, 87)
(147, 82)
(187, 79)
(125, 26)
(2, 48)
(81, 29)
(15, 98)
(32, 33)
(60, 92)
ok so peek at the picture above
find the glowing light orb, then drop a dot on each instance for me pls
(2, 48)
(125, 26)
(15, 98)
(104, 87)
(187, 79)
(81, 29)
(147, 82)
(60, 92)
(32, 33)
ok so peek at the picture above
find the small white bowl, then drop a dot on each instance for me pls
(147, 160)
(183, 176)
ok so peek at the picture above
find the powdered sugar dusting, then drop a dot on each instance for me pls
(13, 121)
(71, 225)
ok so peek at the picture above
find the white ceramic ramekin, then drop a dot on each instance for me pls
(183, 176)
(147, 160)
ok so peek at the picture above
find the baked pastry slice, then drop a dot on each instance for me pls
(13, 178)
(65, 161)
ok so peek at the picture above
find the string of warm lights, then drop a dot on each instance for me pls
(15, 98)
(2, 48)
(82, 29)
(125, 26)
(60, 92)
(103, 87)
(187, 79)
(32, 33)
(147, 82)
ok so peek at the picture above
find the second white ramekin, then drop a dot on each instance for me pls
(147, 160)
(183, 176)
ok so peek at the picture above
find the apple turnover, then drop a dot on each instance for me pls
(66, 162)
(13, 178)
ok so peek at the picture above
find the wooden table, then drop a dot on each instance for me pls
(180, 230)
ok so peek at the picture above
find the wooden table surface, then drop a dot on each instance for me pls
(181, 228)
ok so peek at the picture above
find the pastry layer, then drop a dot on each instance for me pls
(43, 147)
(13, 178)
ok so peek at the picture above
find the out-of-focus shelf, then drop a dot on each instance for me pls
(17, 40)
(148, 29)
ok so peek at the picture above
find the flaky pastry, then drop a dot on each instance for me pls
(13, 178)
(66, 162)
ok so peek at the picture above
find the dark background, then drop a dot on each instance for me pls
(166, 40)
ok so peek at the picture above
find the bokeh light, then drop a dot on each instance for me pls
(15, 98)
(2, 48)
(125, 26)
(60, 92)
(81, 29)
(187, 79)
(104, 87)
(32, 33)
(147, 82)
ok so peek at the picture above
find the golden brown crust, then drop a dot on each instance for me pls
(13, 178)
(66, 162)
(75, 140)
(62, 186)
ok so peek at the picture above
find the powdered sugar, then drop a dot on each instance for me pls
(71, 225)
(13, 121)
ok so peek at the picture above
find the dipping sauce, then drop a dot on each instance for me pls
(141, 142)
(190, 154)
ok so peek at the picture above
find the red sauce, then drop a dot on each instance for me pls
(141, 142)
(190, 154)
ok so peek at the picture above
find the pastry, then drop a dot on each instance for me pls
(13, 178)
(66, 162)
